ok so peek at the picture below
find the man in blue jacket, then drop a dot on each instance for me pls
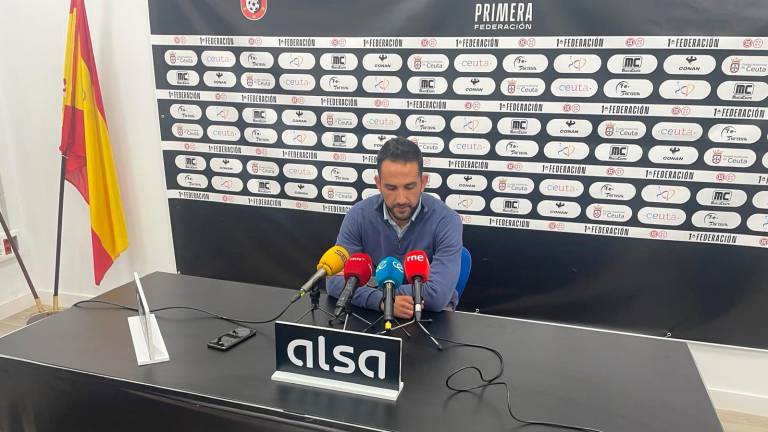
(398, 220)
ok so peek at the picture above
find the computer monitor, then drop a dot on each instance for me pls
(147, 340)
(144, 313)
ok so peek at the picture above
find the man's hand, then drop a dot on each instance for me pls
(403, 306)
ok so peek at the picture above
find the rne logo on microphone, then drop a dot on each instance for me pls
(414, 257)
(343, 356)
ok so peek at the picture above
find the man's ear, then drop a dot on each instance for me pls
(424, 181)
(378, 181)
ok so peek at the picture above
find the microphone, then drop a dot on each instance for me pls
(389, 275)
(357, 272)
(330, 263)
(417, 273)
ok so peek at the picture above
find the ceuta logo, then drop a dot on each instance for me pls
(254, 10)
(717, 156)
(735, 65)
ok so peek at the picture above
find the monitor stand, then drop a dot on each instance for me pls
(147, 352)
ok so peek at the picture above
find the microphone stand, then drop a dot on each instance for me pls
(417, 318)
(403, 326)
(424, 329)
(387, 331)
(314, 296)
(347, 312)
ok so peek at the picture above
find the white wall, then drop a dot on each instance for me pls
(736, 378)
(30, 129)
(11, 279)
(30, 122)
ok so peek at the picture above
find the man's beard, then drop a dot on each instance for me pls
(394, 215)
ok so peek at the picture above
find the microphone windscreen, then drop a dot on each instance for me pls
(360, 266)
(389, 270)
(416, 264)
(333, 260)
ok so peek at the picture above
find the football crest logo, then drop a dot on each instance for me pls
(254, 10)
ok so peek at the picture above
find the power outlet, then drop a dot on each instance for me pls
(6, 252)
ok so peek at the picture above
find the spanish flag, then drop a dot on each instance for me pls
(85, 145)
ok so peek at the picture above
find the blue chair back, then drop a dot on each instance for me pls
(466, 266)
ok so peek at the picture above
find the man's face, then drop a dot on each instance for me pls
(401, 186)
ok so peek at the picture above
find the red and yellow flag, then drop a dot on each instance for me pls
(85, 145)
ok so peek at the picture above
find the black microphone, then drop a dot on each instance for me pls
(417, 273)
(357, 272)
(389, 305)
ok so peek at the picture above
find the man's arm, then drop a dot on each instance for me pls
(444, 268)
(351, 238)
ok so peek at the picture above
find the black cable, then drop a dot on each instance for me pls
(117, 305)
(486, 382)
(215, 315)
(491, 382)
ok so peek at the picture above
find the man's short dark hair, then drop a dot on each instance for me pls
(399, 149)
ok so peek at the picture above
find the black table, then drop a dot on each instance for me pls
(77, 371)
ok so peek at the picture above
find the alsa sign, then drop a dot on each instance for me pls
(338, 360)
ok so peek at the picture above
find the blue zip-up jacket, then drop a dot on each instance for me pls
(436, 229)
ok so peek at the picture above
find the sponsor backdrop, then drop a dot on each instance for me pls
(608, 158)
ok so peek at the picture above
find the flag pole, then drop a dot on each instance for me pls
(87, 161)
(7, 231)
(58, 237)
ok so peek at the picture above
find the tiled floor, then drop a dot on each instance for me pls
(732, 421)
